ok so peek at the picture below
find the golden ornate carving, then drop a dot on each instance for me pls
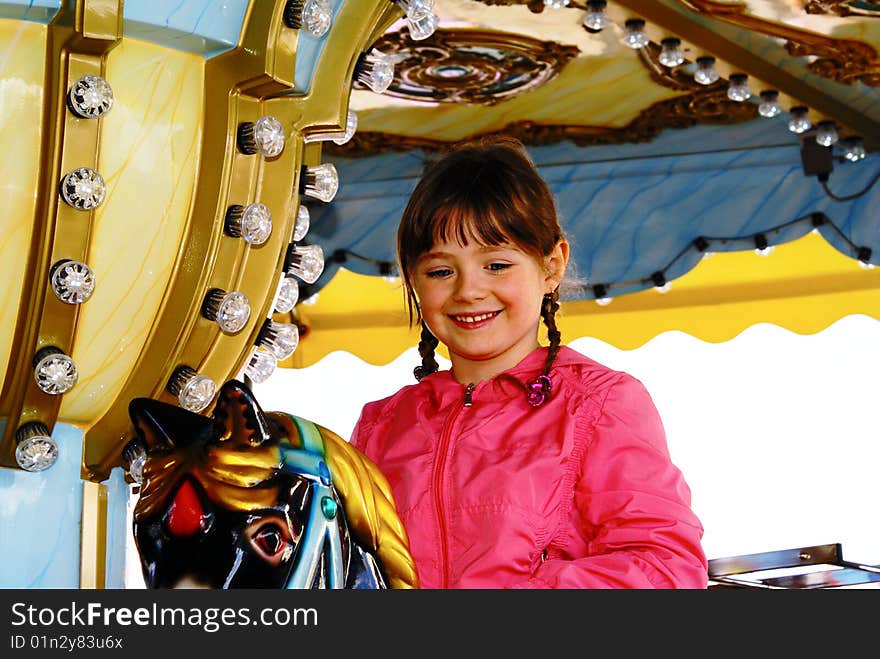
(470, 66)
(708, 107)
(843, 7)
(843, 60)
(704, 104)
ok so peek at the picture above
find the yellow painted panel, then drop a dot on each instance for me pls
(150, 148)
(22, 55)
(561, 101)
(804, 286)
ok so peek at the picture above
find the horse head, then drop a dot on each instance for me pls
(249, 499)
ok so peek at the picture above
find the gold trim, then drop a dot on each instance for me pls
(93, 537)
(77, 42)
(843, 60)
(840, 8)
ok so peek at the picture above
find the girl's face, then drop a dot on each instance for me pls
(483, 302)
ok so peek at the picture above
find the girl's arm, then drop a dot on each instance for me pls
(631, 524)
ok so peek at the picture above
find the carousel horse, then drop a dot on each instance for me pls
(253, 499)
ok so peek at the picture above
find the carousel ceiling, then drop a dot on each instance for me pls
(679, 128)
(525, 68)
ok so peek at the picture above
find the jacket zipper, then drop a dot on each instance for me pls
(445, 435)
(468, 390)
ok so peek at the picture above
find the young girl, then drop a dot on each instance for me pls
(523, 466)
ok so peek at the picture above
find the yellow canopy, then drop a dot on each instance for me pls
(803, 286)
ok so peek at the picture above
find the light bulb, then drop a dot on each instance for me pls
(253, 223)
(281, 339)
(230, 311)
(320, 182)
(769, 106)
(376, 70)
(264, 136)
(54, 372)
(288, 295)
(73, 282)
(739, 88)
(261, 365)
(305, 262)
(670, 54)
(35, 449)
(83, 188)
(762, 247)
(826, 133)
(194, 391)
(135, 456)
(853, 148)
(596, 19)
(706, 72)
(301, 224)
(798, 119)
(317, 15)
(634, 34)
(90, 97)
(422, 24)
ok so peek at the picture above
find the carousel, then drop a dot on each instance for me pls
(201, 194)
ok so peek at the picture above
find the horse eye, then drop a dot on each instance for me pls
(269, 540)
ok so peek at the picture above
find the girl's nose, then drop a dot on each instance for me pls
(469, 286)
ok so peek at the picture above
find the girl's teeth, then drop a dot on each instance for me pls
(473, 319)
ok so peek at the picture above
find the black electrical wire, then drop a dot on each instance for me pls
(824, 181)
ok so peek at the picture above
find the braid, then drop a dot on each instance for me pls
(549, 307)
(426, 349)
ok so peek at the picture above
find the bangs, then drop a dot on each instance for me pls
(456, 223)
(477, 206)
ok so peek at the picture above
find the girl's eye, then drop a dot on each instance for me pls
(439, 272)
(498, 267)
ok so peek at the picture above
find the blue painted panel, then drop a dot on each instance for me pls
(630, 210)
(117, 527)
(39, 11)
(40, 519)
(203, 27)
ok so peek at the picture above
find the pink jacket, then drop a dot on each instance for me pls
(577, 493)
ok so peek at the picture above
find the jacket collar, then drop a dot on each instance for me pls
(444, 389)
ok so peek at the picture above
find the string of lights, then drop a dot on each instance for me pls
(602, 291)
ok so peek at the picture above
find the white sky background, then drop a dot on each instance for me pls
(776, 433)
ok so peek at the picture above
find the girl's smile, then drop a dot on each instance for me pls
(474, 321)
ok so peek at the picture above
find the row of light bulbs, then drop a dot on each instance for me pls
(703, 244)
(73, 282)
(705, 73)
(316, 16)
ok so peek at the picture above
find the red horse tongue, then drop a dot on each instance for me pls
(185, 515)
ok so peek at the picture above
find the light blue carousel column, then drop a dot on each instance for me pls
(41, 521)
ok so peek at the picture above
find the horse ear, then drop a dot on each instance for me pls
(238, 415)
(161, 425)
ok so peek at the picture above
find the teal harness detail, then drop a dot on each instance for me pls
(321, 537)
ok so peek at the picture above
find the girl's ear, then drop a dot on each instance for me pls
(556, 263)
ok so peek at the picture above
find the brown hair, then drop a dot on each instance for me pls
(487, 190)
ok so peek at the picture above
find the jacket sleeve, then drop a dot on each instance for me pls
(630, 524)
